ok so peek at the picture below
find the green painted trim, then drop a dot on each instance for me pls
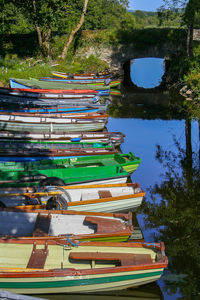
(76, 282)
(107, 239)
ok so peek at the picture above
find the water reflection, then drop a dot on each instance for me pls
(168, 142)
(147, 72)
(163, 105)
(177, 218)
(148, 292)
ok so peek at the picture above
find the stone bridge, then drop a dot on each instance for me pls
(146, 43)
(119, 57)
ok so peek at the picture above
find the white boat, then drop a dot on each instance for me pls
(50, 123)
(96, 198)
(82, 226)
(116, 138)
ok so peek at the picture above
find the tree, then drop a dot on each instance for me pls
(70, 39)
(192, 8)
(47, 15)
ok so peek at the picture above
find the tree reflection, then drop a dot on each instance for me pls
(147, 104)
(177, 217)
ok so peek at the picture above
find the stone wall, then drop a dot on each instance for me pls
(196, 35)
(117, 56)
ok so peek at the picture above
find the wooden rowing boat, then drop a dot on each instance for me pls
(115, 138)
(36, 101)
(49, 93)
(37, 84)
(23, 150)
(97, 198)
(103, 75)
(53, 110)
(72, 170)
(48, 267)
(92, 82)
(82, 226)
(18, 121)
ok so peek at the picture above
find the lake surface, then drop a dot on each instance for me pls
(158, 131)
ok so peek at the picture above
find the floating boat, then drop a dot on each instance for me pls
(115, 138)
(18, 121)
(96, 82)
(80, 94)
(103, 75)
(96, 198)
(14, 144)
(87, 226)
(113, 168)
(35, 101)
(14, 150)
(53, 110)
(37, 84)
(48, 267)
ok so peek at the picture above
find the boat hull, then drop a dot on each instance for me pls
(115, 138)
(80, 284)
(50, 127)
(111, 205)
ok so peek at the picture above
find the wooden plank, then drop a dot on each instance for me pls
(124, 258)
(106, 225)
(42, 225)
(38, 258)
(105, 194)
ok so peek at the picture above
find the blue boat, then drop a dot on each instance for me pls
(55, 110)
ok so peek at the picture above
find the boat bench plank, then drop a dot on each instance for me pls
(42, 225)
(38, 258)
(105, 194)
(106, 225)
(124, 258)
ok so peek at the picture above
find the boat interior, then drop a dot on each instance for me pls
(34, 256)
(70, 194)
(32, 224)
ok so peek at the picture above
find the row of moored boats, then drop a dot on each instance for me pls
(66, 222)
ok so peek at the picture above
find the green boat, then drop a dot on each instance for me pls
(53, 144)
(111, 168)
(35, 83)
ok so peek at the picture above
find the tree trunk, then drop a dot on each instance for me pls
(46, 42)
(188, 139)
(39, 34)
(66, 47)
(190, 40)
(188, 159)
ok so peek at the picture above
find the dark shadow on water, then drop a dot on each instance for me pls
(146, 292)
(147, 104)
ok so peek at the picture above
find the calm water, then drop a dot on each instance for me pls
(155, 129)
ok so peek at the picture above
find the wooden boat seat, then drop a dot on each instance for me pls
(38, 257)
(105, 194)
(126, 259)
(106, 225)
(42, 225)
